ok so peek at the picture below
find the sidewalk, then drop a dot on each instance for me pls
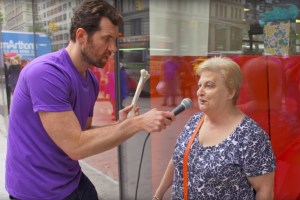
(3, 193)
(106, 187)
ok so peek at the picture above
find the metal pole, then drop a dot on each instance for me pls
(3, 83)
(118, 5)
(33, 7)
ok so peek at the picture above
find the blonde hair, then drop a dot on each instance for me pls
(229, 70)
(15, 60)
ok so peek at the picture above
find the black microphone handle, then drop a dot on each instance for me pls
(178, 109)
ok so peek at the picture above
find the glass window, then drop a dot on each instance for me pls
(136, 27)
(243, 37)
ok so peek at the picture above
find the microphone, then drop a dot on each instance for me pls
(185, 104)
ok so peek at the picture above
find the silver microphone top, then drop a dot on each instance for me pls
(187, 103)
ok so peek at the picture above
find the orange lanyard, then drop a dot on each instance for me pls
(186, 157)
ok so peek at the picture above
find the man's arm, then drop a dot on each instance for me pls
(88, 123)
(65, 131)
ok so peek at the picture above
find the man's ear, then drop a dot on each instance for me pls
(81, 35)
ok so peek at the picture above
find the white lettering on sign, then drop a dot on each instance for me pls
(17, 45)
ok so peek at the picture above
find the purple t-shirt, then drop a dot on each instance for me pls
(36, 168)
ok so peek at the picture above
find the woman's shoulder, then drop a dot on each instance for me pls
(196, 117)
(251, 130)
(194, 120)
(250, 123)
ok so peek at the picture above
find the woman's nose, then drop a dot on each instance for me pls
(200, 91)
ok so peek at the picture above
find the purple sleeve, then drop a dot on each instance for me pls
(49, 88)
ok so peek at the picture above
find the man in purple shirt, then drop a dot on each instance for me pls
(52, 108)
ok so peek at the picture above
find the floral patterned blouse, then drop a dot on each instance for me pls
(221, 171)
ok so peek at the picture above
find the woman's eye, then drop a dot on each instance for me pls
(207, 85)
(210, 85)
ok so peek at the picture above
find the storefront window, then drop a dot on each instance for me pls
(263, 43)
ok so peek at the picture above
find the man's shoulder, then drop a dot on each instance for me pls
(55, 59)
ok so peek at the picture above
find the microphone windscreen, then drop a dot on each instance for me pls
(184, 105)
(187, 103)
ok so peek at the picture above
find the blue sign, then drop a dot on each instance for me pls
(22, 43)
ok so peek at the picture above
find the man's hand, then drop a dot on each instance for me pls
(124, 112)
(156, 121)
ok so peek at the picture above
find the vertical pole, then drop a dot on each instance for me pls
(33, 7)
(118, 5)
(3, 83)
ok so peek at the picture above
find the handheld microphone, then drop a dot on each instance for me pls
(185, 104)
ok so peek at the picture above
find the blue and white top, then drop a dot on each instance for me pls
(221, 171)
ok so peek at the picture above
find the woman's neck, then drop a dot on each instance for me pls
(224, 116)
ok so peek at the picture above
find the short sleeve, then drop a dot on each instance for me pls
(257, 155)
(48, 87)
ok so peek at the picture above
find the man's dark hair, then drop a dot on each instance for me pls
(88, 15)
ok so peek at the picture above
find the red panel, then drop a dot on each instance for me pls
(270, 95)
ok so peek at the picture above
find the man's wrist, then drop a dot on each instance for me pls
(155, 198)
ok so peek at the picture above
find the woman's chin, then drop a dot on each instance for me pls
(202, 109)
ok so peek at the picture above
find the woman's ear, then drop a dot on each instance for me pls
(231, 94)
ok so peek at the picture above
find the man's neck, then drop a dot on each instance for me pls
(76, 58)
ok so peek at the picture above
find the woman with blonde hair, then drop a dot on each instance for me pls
(14, 72)
(221, 153)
